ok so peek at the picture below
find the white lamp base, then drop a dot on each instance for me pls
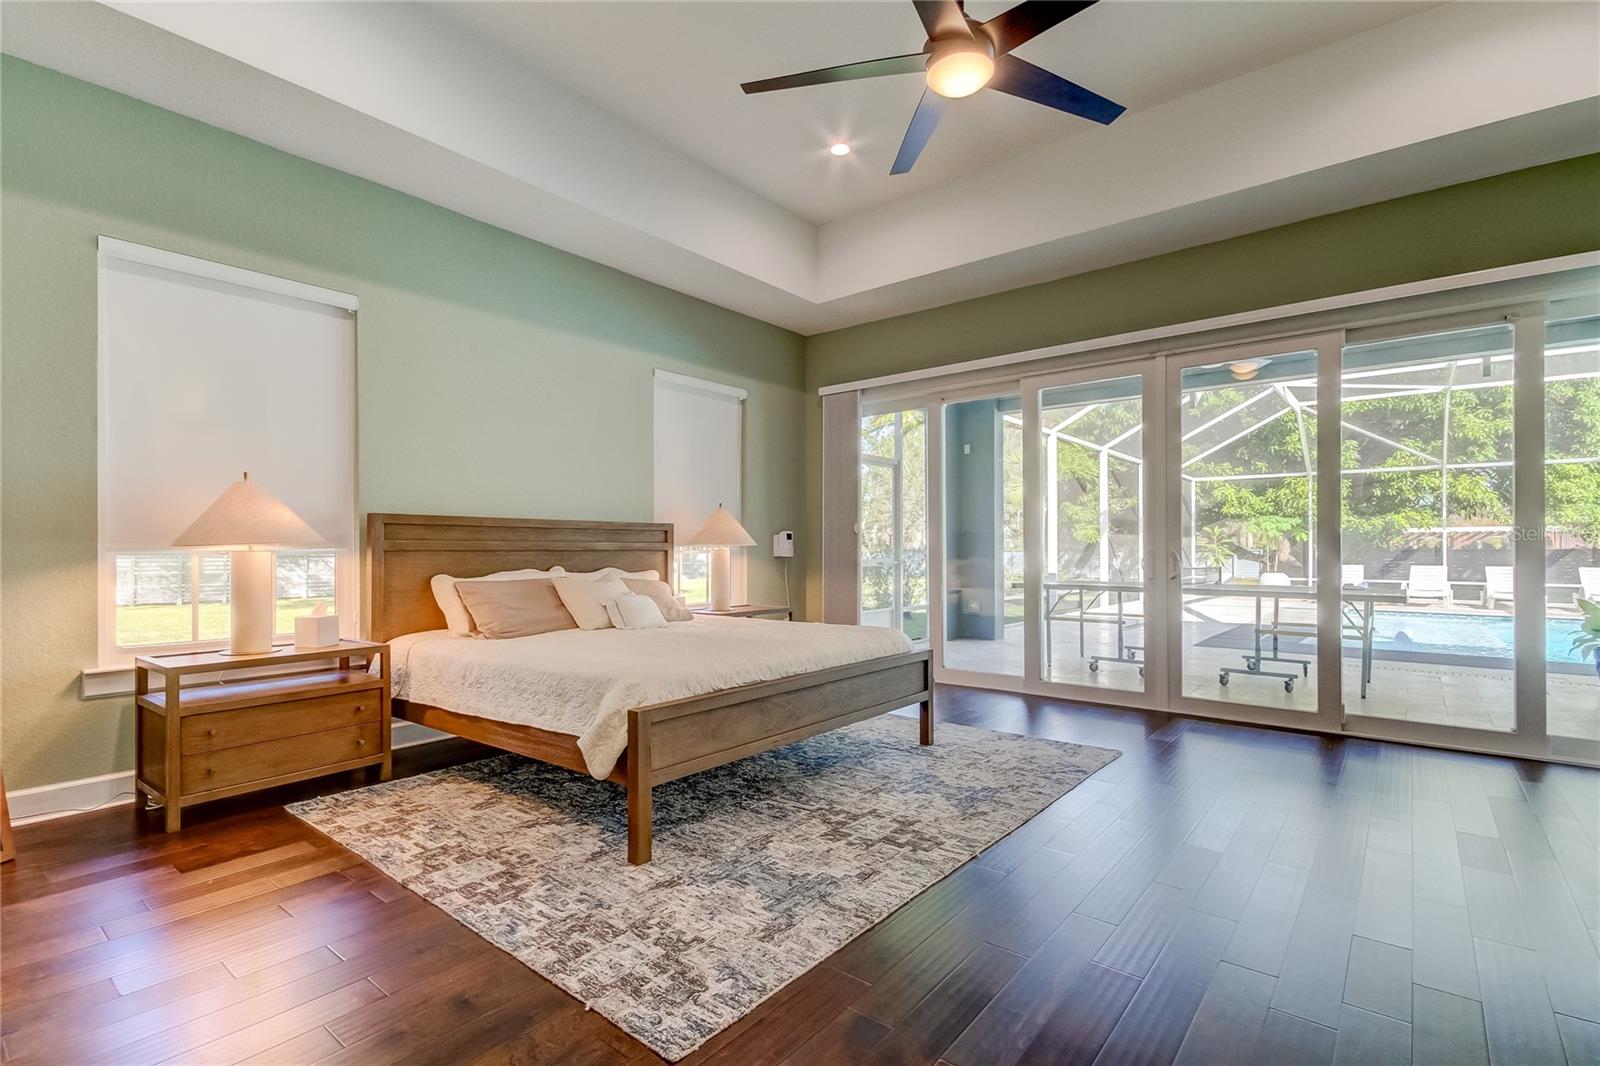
(721, 579)
(250, 602)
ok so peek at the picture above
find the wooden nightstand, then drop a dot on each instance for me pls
(204, 742)
(751, 610)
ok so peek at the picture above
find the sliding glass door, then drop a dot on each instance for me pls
(1572, 528)
(1241, 481)
(893, 524)
(1389, 530)
(1444, 476)
(1427, 475)
(1088, 515)
(980, 451)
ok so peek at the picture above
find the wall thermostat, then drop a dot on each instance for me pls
(783, 544)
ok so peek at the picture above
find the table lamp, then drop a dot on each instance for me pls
(721, 532)
(250, 522)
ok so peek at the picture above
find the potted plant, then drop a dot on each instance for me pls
(1587, 641)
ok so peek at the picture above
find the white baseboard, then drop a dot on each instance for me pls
(69, 797)
(63, 798)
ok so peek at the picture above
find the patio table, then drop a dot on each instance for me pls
(1357, 606)
(1079, 600)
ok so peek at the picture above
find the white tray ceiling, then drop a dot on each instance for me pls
(617, 130)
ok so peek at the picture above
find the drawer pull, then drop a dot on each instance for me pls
(211, 732)
(211, 771)
(361, 742)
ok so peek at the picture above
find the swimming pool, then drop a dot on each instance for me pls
(1479, 635)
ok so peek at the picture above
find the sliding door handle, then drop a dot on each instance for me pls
(1174, 565)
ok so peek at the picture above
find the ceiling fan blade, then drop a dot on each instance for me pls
(929, 110)
(942, 18)
(1019, 78)
(1029, 19)
(915, 63)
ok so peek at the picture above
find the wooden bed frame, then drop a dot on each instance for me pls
(665, 740)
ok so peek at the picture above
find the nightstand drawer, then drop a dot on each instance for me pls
(225, 767)
(253, 725)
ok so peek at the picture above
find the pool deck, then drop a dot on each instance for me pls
(1417, 689)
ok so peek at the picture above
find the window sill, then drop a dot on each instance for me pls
(104, 682)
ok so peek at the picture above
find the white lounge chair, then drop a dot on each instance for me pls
(1496, 585)
(1589, 580)
(1427, 583)
(1273, 577)
(1352, 574)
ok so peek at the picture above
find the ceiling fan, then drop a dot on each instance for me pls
(961, 56)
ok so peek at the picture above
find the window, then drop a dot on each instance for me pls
(207, 371)
(894, 522)
(699, 464)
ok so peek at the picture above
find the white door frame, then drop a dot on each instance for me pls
(1528, 735)
(1327, 347)
(1148, 371)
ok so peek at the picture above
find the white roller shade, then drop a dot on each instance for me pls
(841, 508)
(202, 379)
(699, 446)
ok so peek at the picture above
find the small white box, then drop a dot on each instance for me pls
(316, 630)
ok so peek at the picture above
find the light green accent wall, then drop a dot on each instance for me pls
(1512, 218)
(497, 376)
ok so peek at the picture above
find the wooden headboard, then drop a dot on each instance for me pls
(404, 551)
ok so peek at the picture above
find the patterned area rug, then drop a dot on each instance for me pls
(762, 868)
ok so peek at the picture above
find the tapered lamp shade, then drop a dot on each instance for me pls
(251, 522)
(721, 530)
(248, 516)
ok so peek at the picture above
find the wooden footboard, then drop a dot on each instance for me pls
(670, 740)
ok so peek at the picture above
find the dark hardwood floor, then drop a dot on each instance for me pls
(1219, 894)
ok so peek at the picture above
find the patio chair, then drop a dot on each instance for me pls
(1427, 583)
(1273, 577)
(1352, 574)
(1496, 585)
(1589, 583)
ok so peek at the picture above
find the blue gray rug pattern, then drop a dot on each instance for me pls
(762, 868)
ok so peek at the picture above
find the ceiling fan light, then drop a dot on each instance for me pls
(1244, 371)
(961, 72)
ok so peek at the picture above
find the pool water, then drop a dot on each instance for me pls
(1485, 636)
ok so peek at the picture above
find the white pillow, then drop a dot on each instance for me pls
(634, 611)
(661, 593)
(585, 598)
(456, 616)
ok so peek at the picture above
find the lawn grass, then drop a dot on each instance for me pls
(168, 623)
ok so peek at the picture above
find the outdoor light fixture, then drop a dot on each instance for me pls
(1246, 369)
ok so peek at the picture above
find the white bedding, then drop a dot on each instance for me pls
(583, 682)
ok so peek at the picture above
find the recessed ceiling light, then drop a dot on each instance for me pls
(839, 148)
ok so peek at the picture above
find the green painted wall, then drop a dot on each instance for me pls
(1513, 218)
(553, 353)
(497, 375)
